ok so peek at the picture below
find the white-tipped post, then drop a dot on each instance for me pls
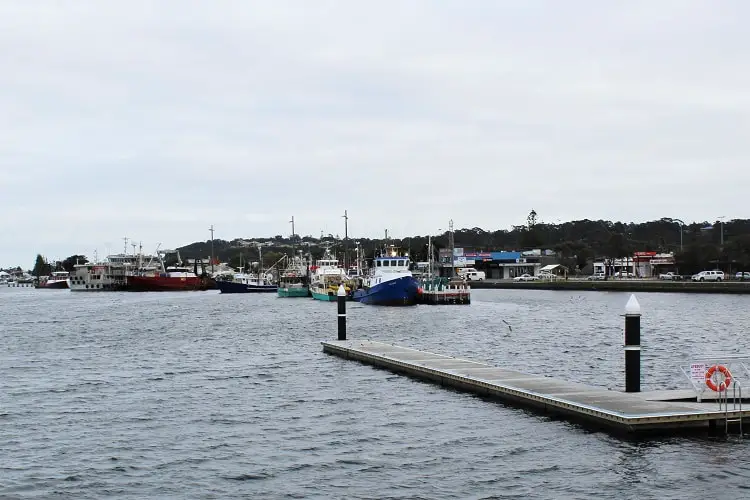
(342, 312)
(632, 307)
(632, 345)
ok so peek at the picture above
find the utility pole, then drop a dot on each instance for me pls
(721, 219)
(212, 247)
(451, 245)
(346, 241)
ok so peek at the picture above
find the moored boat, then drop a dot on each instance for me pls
(156, 277)
(57, 280)
(326, 278)
(390, 282)
(106, 276)
(246, 283)
(171, 279)
(97, 277)
(294, 280)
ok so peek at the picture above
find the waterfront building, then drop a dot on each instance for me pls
(496, 265)
(641, 264)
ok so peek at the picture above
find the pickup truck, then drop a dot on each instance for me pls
(670, 276)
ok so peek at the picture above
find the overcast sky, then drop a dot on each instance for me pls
(155, 119)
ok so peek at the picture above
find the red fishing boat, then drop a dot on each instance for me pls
(172, 279)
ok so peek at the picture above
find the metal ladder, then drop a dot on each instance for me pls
(736, 405)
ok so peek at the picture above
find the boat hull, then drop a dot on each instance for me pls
(398, 292)
(164, 284)
(55, 285)
(325, 295)
(234, 287)
(99, 287)
(297, 291)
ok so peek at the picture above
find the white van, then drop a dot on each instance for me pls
(471, 274)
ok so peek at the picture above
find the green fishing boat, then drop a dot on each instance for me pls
(293, 286)
(294, 280)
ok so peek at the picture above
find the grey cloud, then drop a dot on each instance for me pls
(157, 119)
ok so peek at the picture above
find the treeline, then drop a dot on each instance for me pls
(43, 267)
(697, 246)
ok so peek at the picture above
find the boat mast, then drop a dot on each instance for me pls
(212, 247)
(293, 239)
(346, 240)
(429, 256)
(451, 244)
(260, 261)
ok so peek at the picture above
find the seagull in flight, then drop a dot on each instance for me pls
(509, 327)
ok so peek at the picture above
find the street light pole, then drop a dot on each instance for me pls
(678, 221)
(721, 219)
(681, 224)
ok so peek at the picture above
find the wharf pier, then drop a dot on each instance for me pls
(619, 285)
(436, 291)
(616, 411)
(629, 412)
(19, 284)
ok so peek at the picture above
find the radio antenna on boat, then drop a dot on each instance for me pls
(293, 238)
(212, 247)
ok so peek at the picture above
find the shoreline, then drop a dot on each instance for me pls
(625, 285)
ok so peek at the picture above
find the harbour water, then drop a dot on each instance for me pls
(202, 395)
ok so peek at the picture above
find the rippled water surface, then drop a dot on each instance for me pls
(202, 395)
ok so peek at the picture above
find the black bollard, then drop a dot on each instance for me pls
(342, 312)
(632, 345)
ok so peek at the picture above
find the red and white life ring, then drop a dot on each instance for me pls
(724, 384)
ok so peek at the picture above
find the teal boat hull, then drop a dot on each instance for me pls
(324, 296)
(293, 291)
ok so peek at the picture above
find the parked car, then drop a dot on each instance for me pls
(709, 276)
(547, 276)
(624, 274)
(596, 276)
(670, 276)
(525, 277)
(742, 276)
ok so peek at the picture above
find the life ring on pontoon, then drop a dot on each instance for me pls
(723, 385)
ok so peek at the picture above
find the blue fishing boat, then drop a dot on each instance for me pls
(390, 282)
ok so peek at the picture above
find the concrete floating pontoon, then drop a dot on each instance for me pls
(616, 411)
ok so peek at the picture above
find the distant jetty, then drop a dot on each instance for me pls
(625, 285)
